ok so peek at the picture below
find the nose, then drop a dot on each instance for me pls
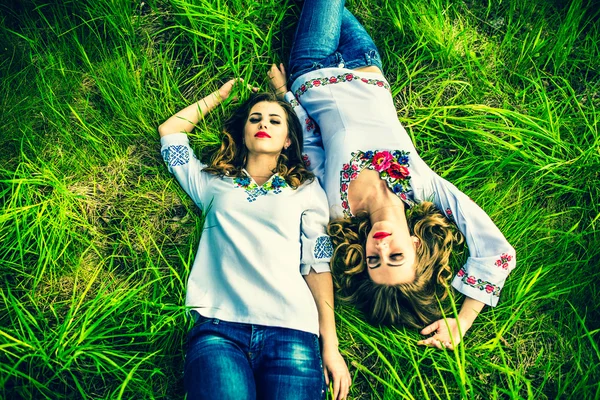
(263, 124)
(381, 244)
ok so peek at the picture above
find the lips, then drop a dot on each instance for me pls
(381, 235)
(262, 134)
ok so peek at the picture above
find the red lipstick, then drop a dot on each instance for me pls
(381, 235)
(262, 134)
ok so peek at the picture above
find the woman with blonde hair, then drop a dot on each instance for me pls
(260, 289)
(394, 219)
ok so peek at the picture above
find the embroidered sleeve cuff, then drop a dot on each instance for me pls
(483, 279)
(318, 267)
(290, 98)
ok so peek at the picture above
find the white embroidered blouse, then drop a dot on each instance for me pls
(256, 244)
(350, 123)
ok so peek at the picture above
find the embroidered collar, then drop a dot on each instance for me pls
(275, 184)
(391, 165)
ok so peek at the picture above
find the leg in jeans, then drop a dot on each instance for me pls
(216, 365)
(289, 366)
(329, 35)
(355, 45)
(317, 35)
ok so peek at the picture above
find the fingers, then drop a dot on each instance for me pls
(341, 382)
(344, 387)
(282, 69)
(431, 328)
(436, 342)
(326, 373)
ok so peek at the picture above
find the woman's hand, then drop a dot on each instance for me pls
(277, 80)
(335, 367)
(225, 91)
(446, 334)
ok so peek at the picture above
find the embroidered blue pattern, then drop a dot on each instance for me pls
(253, 191)
(323, 247)
(176, 155)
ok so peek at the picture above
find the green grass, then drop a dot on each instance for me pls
(96, 239)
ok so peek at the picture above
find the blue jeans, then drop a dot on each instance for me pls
(229, 360)
(328, 35)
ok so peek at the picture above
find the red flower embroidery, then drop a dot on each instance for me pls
(489, 288)
(344, 187)
(365, 80)
(345, 205)
(316, 82)
(345, 167)
(379, 83)
(349, 77)
(398, 171)
(306, 160)
(353, 176)
(382, 160)
(471, 280)
(403, 196)
(503, 261)
(461, 273)
(333, 79)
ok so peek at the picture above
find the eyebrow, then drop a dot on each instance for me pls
(389, 265)
(270, 115)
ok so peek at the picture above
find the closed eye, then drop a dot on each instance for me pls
(372, 262)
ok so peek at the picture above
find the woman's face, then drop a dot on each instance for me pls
(266, 129)
(391, 254)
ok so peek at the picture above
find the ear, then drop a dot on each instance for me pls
(287, 143)
(416, 241)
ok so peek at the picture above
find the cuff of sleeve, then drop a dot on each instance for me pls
(317, 267)
(174, 138)
(290, 98)
(477, 281)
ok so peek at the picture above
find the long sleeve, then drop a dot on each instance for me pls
(313, 153)
(491, 257)
(316, 244)
(183, 164)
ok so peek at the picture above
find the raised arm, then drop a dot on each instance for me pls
(313, 153)
(186, 120)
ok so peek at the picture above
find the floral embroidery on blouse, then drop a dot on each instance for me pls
(503, 261)
(176, 155)
(449, 214)
(392, 167)
(312, 126)
(294, 103)
(477, 283)
(253, 191)
(338, 79)
(306, 160)
(323, 248)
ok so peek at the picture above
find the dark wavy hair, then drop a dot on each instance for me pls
(415, 304)
(232, 154)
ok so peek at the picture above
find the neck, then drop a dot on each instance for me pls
(261, 167)
(381, 204)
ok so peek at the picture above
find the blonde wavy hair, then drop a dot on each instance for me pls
(232, 154)
(415, 304)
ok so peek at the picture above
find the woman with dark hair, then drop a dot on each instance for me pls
(394, 219)
(260, 289)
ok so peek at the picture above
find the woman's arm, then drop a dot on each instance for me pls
(186, 119)
(313, 153)
(321, 287)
